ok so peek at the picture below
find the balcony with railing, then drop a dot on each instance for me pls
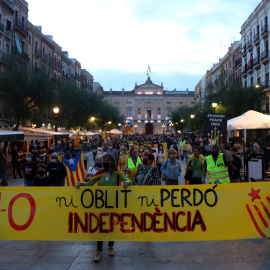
(256, 39)
(264, 31)
(256, 63)
(244, 50)
(250, 45)
(244, 71)
(238, 62)
(37, 52)
(20, 25)
(8, 33)
(22, 55)
(250, 67)
(265, 57)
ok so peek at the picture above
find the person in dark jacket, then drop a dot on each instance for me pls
(3, 169)
(41, 180)
(14, 161)
(57, 171)
(29, 170)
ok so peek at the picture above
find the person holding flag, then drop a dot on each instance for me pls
(108, 176)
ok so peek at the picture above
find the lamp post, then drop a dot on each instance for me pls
(163, 126)
(192, 117)
(171, 125)
(56, 111)
(119, 125)
(182, 125)
(214, 105)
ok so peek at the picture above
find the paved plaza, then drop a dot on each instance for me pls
(40, 255)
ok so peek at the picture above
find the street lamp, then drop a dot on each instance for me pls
(163, 126)
(171, 125)
(92, 118)
(56, 111)
(192, 117)
(119, 125)
(214, 105)
(110, 122)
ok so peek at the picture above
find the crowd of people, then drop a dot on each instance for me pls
(139, 160)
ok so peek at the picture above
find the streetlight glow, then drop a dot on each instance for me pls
(93, 118)
(182, 120)
(56, 110)
(109, 122)
(214, 104)
(192, 116)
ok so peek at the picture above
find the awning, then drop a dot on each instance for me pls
(10, 136)
(17, 42)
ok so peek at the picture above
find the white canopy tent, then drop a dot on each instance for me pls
(115, 131)
(249, 120)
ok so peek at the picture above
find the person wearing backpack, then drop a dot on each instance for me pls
(171, 168)
(108, 176)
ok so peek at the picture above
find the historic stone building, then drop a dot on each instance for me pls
(148, 106)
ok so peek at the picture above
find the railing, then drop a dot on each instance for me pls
(256, 61)
(249, 44)
(264, 30)
(244, 69)
(8, 33)
(265, 83)
(21, 25)
(37, 51)
(256, 37)
(237, 62)
(264, 55)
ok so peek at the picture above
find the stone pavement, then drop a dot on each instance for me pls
(249, 254)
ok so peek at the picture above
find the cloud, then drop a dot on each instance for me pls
(172, 36)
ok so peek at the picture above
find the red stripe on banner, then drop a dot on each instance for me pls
(261, 216)
(268, 199)
(72, 177)
(82, 170)
(255, 223)
(265, 209)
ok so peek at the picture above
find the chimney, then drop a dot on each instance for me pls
(111, 91)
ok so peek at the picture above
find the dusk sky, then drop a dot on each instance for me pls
(116, 40)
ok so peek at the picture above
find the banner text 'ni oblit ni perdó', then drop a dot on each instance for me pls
(148, 213)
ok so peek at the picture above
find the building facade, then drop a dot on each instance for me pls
(148, 106)
(255, 46)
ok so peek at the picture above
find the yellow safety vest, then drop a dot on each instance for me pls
(133, 168)
(131, 165)
(182, 142)
(217, 170)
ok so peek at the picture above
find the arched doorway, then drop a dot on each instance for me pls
(149, 128)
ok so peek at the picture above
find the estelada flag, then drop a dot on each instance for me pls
(77, 139)
(128, 128)
(75, 169)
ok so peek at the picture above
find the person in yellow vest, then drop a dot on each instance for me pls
(215, 166)
(123, 157)
(181, 142)
(132, 164)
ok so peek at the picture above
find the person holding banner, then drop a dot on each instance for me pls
(109, 176)
(216, 167)
(133, 163)
(171, 168)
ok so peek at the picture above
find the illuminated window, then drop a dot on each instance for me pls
(149, 113)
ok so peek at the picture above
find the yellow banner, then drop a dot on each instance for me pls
(149, 213)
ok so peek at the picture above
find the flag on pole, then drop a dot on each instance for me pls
(77, 139)
(75, 169)
(128, 128)
(149, 69)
